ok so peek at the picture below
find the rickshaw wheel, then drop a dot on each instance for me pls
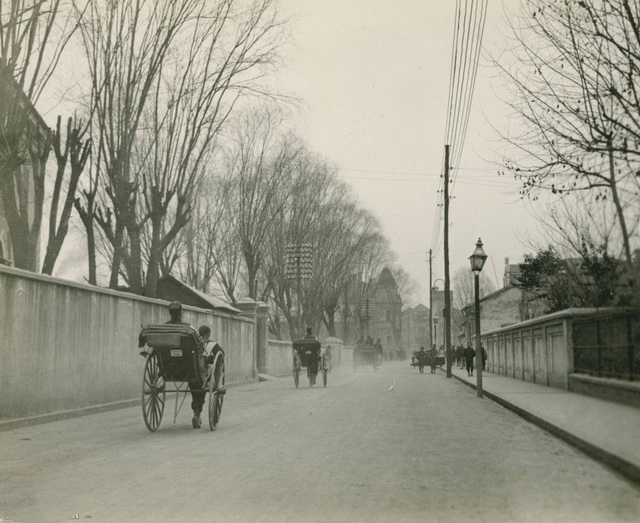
(324, 377)
(153, 393)
(216, 391)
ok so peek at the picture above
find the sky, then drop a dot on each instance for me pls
(374, 79)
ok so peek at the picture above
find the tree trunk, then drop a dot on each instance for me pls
(331, 322)
(117, 257)
(134, 264)
(87, 220)
(78, 153)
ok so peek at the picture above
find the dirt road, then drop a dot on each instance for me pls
(391, 446)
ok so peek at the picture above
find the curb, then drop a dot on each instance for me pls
(623, 467)
(19, 423)
(65, 414)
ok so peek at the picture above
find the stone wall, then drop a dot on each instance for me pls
(68, 346)
(279, 358)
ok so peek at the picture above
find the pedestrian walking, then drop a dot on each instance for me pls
(469, 354)
(484, 356)
(451, 356)
(421, 359)
(379, 351)
(460, 356)
(433, 354)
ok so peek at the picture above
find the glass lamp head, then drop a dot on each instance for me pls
(478, 258)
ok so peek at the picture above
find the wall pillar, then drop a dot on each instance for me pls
(249, 309)
(262, 336)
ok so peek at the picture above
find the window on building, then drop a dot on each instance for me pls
(388, 315)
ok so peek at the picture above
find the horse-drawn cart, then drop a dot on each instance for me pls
(175, 354)
(364, 356)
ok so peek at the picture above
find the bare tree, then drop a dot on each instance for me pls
(165, 76)
(575, 86)
(33, 35)
(76, 152)
(258, 171)
(209, 254)
(464, 287)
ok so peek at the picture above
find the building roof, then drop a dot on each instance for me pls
(491, 296)
(191, 296)
(386, 279)
(421, 308)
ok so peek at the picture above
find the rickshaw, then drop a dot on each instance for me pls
(307, 353)
(175, 354)
(364, 355)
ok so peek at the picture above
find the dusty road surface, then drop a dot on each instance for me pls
(363, 449)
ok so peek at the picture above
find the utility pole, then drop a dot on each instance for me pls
(430, 303)
(299, 285)
(447, 298)
(299, 267)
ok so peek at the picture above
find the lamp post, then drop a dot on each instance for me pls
(435, 331)
(477, 263)
(433, 320)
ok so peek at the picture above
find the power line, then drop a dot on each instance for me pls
(470, 20)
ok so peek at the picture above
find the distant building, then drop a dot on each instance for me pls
(415, 327)
(438, 317)
(498, 309)
(512, 272)
(386, 304)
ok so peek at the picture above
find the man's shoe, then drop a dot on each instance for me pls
(196, 422)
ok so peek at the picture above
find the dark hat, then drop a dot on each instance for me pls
(175, 306)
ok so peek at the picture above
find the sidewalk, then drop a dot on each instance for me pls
(606, 431)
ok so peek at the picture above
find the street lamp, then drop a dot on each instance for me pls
(433, 288)
(477, 263)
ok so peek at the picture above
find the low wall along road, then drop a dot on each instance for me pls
(67, 346)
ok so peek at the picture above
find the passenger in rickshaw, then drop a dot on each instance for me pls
(175, 312)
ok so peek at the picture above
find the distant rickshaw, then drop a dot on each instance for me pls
(307, 354)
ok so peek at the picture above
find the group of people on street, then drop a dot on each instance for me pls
(464, 357)
(423, 357)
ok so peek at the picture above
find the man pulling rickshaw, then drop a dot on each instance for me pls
(307, 353)
(176, 352)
